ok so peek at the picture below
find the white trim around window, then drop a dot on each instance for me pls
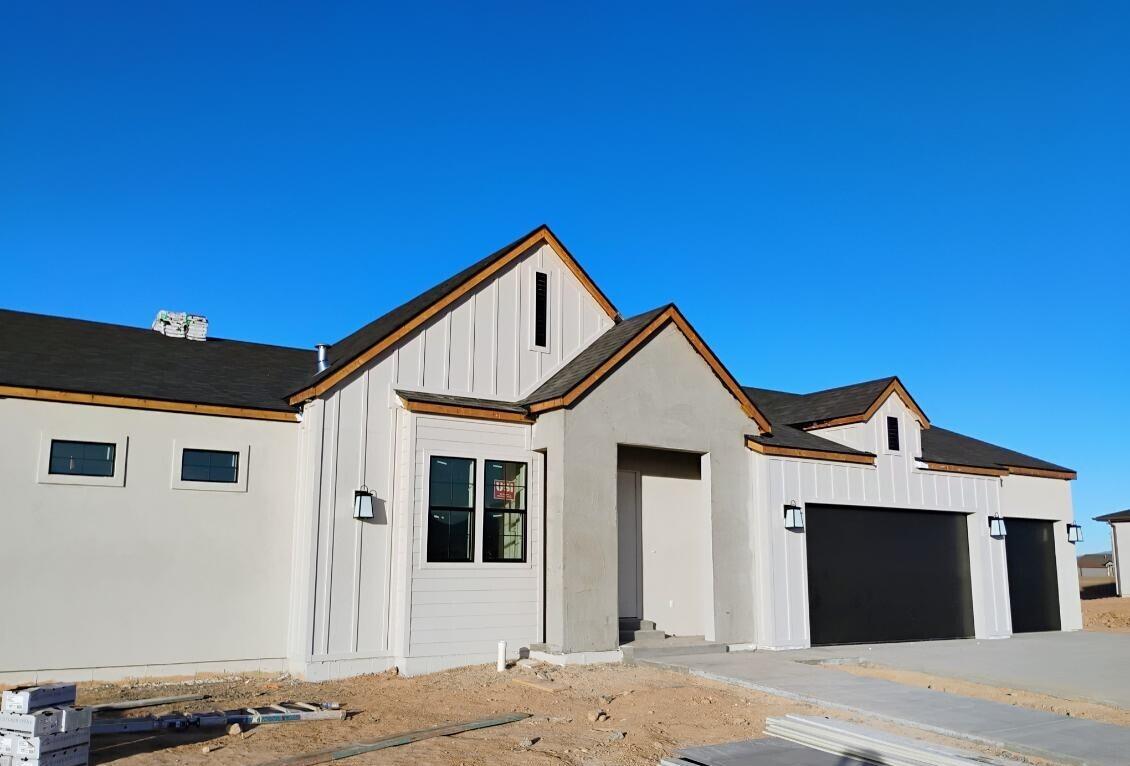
(43, 467)
(242, 469)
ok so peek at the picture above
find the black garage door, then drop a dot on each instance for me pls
(887, 575)
(1033, 588)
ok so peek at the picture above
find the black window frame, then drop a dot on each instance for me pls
(470, 510)
(894, 440)
(524, 511)
(197, 450)
(51, 458)
(541, 309)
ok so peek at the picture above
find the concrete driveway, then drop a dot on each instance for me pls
(1080, 665)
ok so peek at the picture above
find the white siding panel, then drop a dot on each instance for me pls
(467, 608)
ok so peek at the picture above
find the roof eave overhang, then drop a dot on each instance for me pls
(809, 454)
(541, 235)
(138, 403)
(894, 388)
(460, 411)
(670, 315)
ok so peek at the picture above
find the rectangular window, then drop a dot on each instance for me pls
(893, 434)
(451, 510)
(209, 465)
(81, 458)
(541, 309)
(504, 514)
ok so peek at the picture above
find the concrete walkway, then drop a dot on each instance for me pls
(1080, 665)
(1033, 732)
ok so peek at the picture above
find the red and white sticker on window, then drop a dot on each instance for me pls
(505, 489)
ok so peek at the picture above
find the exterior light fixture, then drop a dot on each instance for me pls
(363, 503)
(996, 527)
(1074, 533)
(794, 516)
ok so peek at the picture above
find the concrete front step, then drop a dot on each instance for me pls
(630, 636)
(628, 624)
(670, 647)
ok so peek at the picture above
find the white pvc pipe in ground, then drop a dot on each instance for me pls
(501, 656)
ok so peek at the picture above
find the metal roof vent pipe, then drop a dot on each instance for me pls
(323, 362)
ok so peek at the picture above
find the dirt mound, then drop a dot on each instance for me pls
(1109, 614)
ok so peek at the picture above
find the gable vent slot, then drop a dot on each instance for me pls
(892, 433)
(541, 305)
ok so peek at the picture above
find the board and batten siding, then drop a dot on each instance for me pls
(781, 564)
(483, 345)
(459, 612)
(354, 580)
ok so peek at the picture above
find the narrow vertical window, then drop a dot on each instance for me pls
(541, 309)
(504, 511)
(451, 509)
(893, 434)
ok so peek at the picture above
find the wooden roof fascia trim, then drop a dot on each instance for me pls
(970, 469)
(456, 411)
(894, 387)
(135, 403)
(541, 235)
(595, 376)
(838, 457)
(1042, 473)
(574, 266)
(747, 405)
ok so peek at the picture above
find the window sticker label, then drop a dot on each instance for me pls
(504, 489)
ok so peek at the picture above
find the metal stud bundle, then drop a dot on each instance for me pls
(42, 726)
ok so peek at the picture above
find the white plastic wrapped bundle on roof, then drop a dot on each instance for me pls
(197, 327)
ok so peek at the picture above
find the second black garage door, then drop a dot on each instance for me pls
(1033, 588)
(876, 575)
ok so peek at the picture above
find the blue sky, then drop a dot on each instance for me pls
(831, 192)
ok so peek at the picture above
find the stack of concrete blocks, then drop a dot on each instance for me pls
(42, 726)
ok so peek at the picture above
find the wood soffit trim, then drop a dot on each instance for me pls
(105, 400)
(539, 237)
(478, 413)
(970, 469)
(1042, 473)
(668, 316)
(894, 387)
(839, 457)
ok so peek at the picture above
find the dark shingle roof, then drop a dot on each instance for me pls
(794, 438)
(795, 409)
(460, 401)
(1094, 559)
(597, 353)
(356, 343)
(38, 351)
(942, 446)
(939, 445)
(1116, 516)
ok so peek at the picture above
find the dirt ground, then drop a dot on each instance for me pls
(651, 713)
(1074, 708)
(1108, 614)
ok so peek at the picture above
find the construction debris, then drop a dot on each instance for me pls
(284, 712)
(849, 740)
(150, 702)
(41, 726)
(179, 324)
(360, 748)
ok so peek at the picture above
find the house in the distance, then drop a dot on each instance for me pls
(1119, 547)
(502, 457)
(1096, 565)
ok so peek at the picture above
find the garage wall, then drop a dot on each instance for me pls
(781, 580)
(1120, 546)
(1050, 499)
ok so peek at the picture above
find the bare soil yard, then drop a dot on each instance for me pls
(1107, 614)
(651, 713)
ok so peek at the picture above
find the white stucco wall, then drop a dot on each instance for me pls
(142, 578)
(1120, 547)
(1030, 497)
(781, 565)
